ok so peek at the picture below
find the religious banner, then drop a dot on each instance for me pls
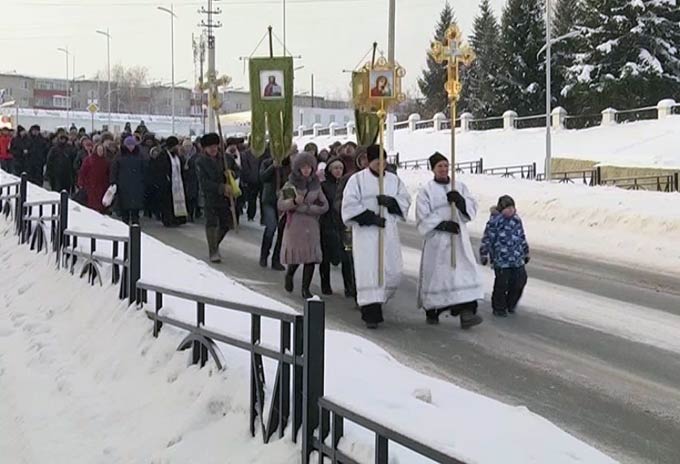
(367, 122)
(271, 94)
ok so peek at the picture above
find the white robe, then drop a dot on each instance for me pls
(440, 285)
(361, 194)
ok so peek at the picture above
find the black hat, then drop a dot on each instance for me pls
(171, 142)
(506, 201)
(234, 141)
(209, 140)
(373, 152)
(436, 159)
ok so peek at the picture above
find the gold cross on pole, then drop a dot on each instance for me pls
(454, 52)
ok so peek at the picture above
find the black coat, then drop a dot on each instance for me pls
(59, 170)
(20, 149)
(211, 177)
(38, 147)
(191, 177)
(270, 186)
(332, 227)
(128, 174)
(250, 169)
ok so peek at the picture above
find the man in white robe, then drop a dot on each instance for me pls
(361, 204)
(443, 287)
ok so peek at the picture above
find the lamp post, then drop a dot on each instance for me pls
(172, 14)
(108, 68)
(548, 89)
(390, 57)
(66, 54)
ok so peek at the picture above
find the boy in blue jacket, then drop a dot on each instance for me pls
(505, 246)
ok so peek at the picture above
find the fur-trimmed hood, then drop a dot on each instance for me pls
(304, 183)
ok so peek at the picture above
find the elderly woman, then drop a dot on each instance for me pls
(303, 202)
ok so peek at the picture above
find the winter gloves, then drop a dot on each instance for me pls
(455, 197)
(391, 204)
(369, 218)
(449, 226)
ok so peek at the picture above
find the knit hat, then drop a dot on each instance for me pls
(373, 152)
(506, 201)
(209, 140)
(436, 159)
(130, 142)
(171, 142)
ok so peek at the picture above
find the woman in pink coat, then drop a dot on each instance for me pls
(303, 202)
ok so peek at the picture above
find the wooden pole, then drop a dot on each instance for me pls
(454, 214)
(381, 189)
(223, 151)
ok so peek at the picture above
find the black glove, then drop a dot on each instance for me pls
(449, 226)
(527, 259)
(484, 260)
(455, 197)
(391, 204)
(369, 218)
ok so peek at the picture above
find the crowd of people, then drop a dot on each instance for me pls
(320, 208)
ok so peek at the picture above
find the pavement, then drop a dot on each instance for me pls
(617, 394)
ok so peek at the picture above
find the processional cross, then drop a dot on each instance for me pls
(454, 52)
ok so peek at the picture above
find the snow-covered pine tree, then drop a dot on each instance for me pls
(434, 77)
(630, 55)
(564, 51)
(481, 89)
(522, 72)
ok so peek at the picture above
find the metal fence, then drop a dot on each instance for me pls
(658, 183)
(585, 176)
(486, 124)
(298, 389)
(10, 194)
(528, 122)
(637, 114)
(470, 167)
(523, 171)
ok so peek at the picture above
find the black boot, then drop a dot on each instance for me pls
(325, 271)
(432, 316)
(264, 250)
(348, 276)
(469, 319)
(212, 235)
(307, 275)
(288, 280)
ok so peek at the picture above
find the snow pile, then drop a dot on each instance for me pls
(650, 143)
(632, 227)
(88, 383)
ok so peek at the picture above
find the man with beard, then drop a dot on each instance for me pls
(216, 193)
(38, 147)
(172, 195)
(361, 205)
(59, 171)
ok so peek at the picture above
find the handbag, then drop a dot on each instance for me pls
(109, 196)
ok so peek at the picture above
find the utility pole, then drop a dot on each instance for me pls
(285, 52)
(548, 89)
(66, 53)
(107, 34)
(172, 14)
(210, 25)
(390, 58)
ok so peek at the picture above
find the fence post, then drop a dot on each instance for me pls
(19, 216)
(63, 223)
(313, 372)
(135, 258)
(676, 178)
(598, 172)
(533, 170)
(481, 166)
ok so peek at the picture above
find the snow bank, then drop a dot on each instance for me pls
(652, 143)
(636, 228)
(84, 382)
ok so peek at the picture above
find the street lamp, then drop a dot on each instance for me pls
(108, 67)
(67, 54)
(172, 14)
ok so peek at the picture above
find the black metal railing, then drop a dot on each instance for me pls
(332, 417)
(427, 124)
(470, 167)
(341, 131)
(529, 122)
(10, 193)
(324, 131)
(523, 171)
(43, 222)
(486, 124)
(658, 183)
(124, 257)
(637, 114)
(583, 121)
(586, 176)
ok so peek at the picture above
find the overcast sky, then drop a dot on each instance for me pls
(330, 35)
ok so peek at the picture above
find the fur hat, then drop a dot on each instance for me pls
(506, 201)
(436, 158)
(209, 140)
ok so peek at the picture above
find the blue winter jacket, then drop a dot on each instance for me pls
(504, 242)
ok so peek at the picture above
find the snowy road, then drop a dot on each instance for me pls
(595, 347)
